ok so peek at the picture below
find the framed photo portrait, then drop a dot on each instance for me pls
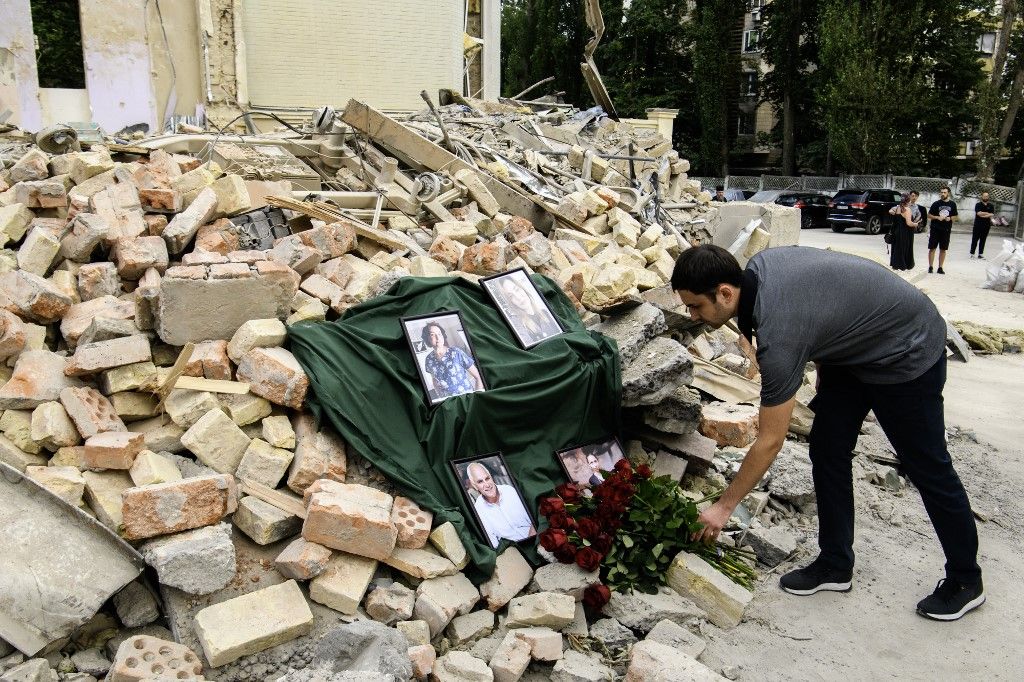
(494, 497)
(444, 355)
(522, 306)
(583, 464)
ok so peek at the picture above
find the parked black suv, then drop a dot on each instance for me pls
(813, 207)
(864, 208)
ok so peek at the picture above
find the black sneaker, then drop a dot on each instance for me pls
(941, 271)
(981, 256)
(816, 577)
(951, 600)
(931, 269)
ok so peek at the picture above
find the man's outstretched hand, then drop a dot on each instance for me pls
(714, 519)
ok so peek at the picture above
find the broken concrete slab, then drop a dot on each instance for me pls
(649, 660)
(59, 565)
(633, 330)
(659, 368)
(193, 307)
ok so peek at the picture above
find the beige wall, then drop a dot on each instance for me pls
(182, 25)
(19, 81)
(325, 51)
(117, 66)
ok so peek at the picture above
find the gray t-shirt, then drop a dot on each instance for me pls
(837, 309)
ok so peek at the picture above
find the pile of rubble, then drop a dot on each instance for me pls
(145, 297)
(990, 340)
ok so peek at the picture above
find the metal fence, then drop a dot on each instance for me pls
(1009, 199)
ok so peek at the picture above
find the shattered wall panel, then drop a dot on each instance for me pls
(117, 66)
(326, 51)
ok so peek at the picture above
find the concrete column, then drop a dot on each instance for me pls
(19, 80)
(491, 32)
(665, 118)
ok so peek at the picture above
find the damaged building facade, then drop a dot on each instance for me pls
(146, 62)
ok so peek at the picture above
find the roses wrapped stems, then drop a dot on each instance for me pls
(630, 526)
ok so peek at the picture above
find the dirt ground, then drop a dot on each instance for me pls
(872, 632)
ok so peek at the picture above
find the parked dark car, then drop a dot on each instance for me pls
(867, 209)
(813, 207)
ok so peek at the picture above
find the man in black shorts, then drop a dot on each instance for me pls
(941, 216)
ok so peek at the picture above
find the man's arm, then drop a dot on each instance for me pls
(931, 212)
(772, 428)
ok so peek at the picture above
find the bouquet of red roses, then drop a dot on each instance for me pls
(631, 526)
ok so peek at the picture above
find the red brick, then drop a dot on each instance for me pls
(172, 507)
(113, 450)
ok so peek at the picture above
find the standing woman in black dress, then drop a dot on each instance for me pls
(903, 226)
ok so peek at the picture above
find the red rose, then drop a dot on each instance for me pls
(588, 559)
(587, 528)
(566, 553)
(619, 497)
(553, 538)
(602, 543)
(569, 492)
(551, 505)
(623, 465)
(596, 596)
(644, 471)
(559, 520)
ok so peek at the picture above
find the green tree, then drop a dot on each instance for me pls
(872, 91)
(1001, 94)
(59, 37)
(944, 53)
(542, 38)
(647, 63)
(789, 46)
(716, 65)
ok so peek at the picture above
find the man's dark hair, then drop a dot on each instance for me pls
(720, 188)
(425, 334)
(946, 187)
(701, 269)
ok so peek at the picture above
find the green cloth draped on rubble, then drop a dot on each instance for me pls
(363, 382)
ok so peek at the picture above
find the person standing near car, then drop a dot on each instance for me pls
(902, 231)
(880, 345)
(941, 216)
(983, 212)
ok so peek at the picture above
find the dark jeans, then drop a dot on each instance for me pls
(978, 236)
(910, 413)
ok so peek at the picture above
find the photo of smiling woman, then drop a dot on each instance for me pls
(522, 306)
(444, 355)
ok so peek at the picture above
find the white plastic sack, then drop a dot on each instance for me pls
(998, 277)
(1018, 288)
(1002, 280)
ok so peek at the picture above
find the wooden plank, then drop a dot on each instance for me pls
(284, 501)
(212, 385)
(329, 214)
(419, 152)
(172, 377)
